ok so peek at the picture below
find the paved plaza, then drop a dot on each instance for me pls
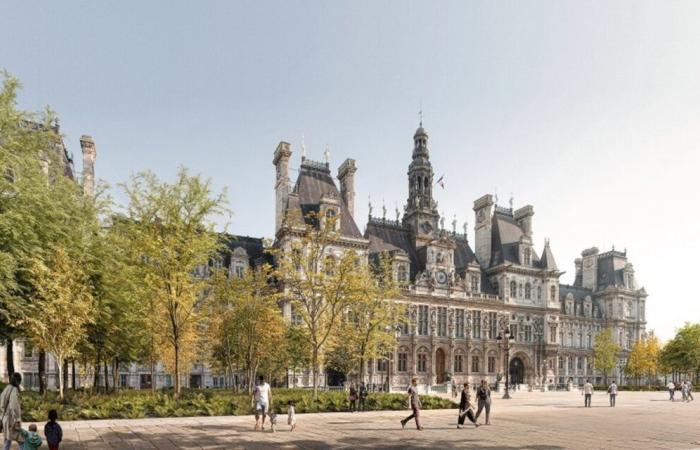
(549, 421)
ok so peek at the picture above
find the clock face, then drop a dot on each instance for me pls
(426, 227)
(441, 277)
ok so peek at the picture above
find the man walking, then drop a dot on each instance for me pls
(483, 396)
(612, 391)
(684, 390)
(363, 395)
(414, 402)
(587, 393)
(465, 408)
(671, 390)
(262, 399)
(690, 390)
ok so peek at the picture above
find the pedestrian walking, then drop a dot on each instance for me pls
(53, 431)
(352, 398)
(11, 411)
(262, 399)
(690, 390)
(362, 395)
(684, 390)
(291, 415)
(483, 397)
(414, 403)
(465, 408)
(454, 389)
(587, 393)
(671, 390)
(612, 391)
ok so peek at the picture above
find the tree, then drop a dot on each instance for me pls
(171, 225)
(298, 350)
(250, 329)
(637, 361)
(369, 327)
(60, 308)
(682, 353)
(605, 352)
(320, 283)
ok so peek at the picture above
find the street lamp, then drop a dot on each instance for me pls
(506, 337)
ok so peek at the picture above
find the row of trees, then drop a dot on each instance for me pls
(101, 285)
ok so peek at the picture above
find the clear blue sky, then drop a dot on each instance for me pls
(590, 111)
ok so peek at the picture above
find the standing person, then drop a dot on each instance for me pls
(483, 397)
(612, 390)
(684, 390)
(671, 390)
(587, 393)
(414, 402)
(363, 395)
(465, 408)
(53, 431)
(690, 390)
(262, 399)
(454, 388)
(291, 415)
(11, 410)
(352, 398)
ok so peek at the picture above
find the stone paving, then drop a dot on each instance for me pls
(548, 421)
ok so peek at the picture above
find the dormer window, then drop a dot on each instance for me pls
(475, 283)
(513, 289)
(527, 257)
(402, 274)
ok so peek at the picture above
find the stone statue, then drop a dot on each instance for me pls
(383, 211)
(369, 205)
(451, 320)
(398, 214)
(464, 227)
(454, 224)
(433, 321)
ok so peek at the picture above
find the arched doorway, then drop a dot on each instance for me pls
(440, 366)
(517, 371)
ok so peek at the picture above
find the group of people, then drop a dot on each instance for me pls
(263, 406)
(686, 389)
(357, 397)
(483, 396)
(588, 390)
(11, 421)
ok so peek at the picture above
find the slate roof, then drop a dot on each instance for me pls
(386, 237)
(608, 273)
(547, 261)
(578, 292)
(252, 245)
(314, 181)
(505, 240)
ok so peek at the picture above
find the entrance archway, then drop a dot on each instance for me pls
(517, 371)
(440, 366)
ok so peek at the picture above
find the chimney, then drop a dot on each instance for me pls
(346, 176)
(87, 144)
(578, 263)
(281, 162)
(523, 217)
(482, 229)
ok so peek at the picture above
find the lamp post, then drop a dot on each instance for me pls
(506, 337)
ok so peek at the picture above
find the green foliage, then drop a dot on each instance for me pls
(605, 352)
(682, 353)
(210, 402)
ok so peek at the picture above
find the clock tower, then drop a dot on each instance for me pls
(421, 214)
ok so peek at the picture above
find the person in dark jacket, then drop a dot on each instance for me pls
(352, 398)
(363, 395)
(483, 397)
(465, 408)
(53, 431)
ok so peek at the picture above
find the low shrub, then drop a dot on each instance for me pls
(84, 405)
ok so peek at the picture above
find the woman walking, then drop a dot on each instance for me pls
(465, 408)
(11, 411)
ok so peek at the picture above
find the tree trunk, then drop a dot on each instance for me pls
(314, 371)
(106, 368)
(96, 381)
(72, 363)
(59, 360)
(65, 373)
(115, 373)
(362, 368)
(42, 372)
(10, 359)
(177, 370)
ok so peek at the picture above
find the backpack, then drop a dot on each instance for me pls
(481, 394)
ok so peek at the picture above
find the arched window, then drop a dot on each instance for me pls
(553, 293)
(513, 289)
(422, 365)
(402, 275)
(528, 291)
(459, 361)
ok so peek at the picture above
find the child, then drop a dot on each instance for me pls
(53, 431)
(273, 420)
(291, 418)
(32, 441)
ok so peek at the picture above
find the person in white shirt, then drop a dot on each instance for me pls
(587, 393)
(612, 391)
(671, 390)
(262, 399)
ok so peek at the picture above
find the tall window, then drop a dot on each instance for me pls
(442, 321)
(423, 320)
(513, 289)
(552, 333)
(476, 324)
(402, 274)
(493, 325)
(475, 283)
(459, 360)
(527, 257)
(492, 364)
(381, 365)
(553, 293)
(571, 340)
(527, 332)
(422, 362)
(539, 292)
(590, 341)
(459, 323)
(528, 291)
(561, 339)
(28, 349)
(580, 340)
(475, 363)
(403, 362)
